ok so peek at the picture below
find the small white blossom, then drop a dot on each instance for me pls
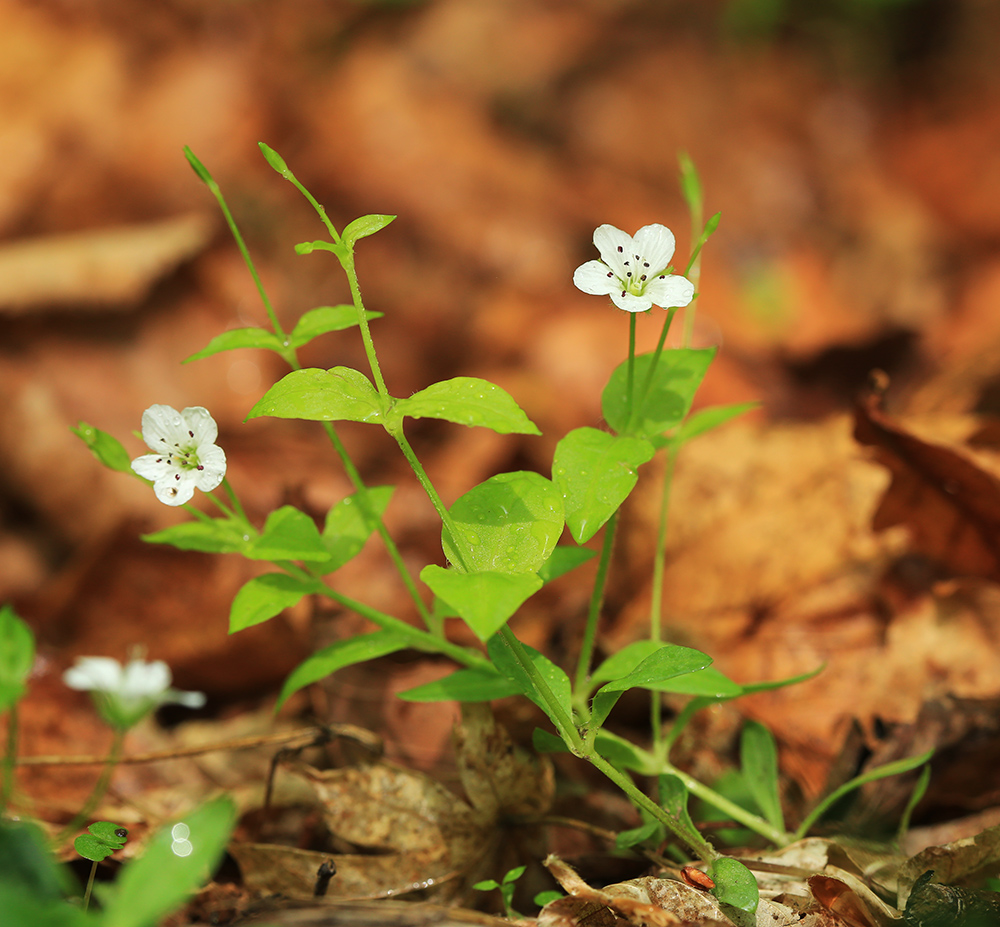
(126, 694)
(633, 271)
(186, 455)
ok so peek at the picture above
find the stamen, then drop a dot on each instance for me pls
(621, 250)
(610, 274)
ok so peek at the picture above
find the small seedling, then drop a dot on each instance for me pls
(506, 887)
(104, 838)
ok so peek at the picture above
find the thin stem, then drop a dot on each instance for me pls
(234, 499)
(102, 786)
(347, 262)
(594, 611)
(90, 885)
(10, 758)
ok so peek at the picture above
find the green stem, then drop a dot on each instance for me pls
(346, 258)
(594, 611)
(102, 786)
(641, 800)
(9, 759)
(90, 885)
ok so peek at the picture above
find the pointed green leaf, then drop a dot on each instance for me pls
(484, 600)
(508, 524)
(759, 765)
(595, 471)
(675, 379)
(363, 227)
(706, 419)
(624, 754)
(325, 319)
(624, 661)
(265, 596)
(340, 393)
(343, 653)
(171, 868)
(564, 559)
(505, 662)
(707, 683)
(198, 167)
(217, 536)
(239, 338)
(469, 401)
(348, 526)
(288, 535)
(17, 654)
(465, 685)
(735, 885)
(107, 449)
(674, 800)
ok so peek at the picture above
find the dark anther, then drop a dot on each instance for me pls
(645, 263)
(327, 870)
(620, 249)
(643, 277)
(610, 274)
(191, 434)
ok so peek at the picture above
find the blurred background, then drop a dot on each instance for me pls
(852, 147)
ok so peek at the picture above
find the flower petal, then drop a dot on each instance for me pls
(213, 460)
(630, 302)
(152, 466)
(655, 243)
(176, 487)
(198, 420)
(187, 699)
(142, 679)
(596, 278)
(101, 674)
(673, 290)
(162, 426)
(615, 247)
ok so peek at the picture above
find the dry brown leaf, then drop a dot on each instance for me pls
(113, 268)
(967, 859)
(370, 914)
(950, 505)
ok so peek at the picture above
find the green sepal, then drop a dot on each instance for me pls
(509, 523)
(263, 597)
(106, 448)
(468, 401)
(338, 394)
(274, 159)
(677, 374)
(596, 471)
(484, 600)
(343, 653)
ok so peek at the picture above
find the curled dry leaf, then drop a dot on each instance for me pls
(108, 267)
(949, 503)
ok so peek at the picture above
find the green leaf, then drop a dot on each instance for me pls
(508, 524)
(198, 167)
(630, 838)
(674, 800)
(668, 661)
(483, 600)
(596, 471)
(690, 183)
(26, 862)
(265, 596)
(562, 560)
(735, 885)
(468, 401)
(348, 526)
(104, 838)
(759, 764)
(504, 660)
(464, 685)
(171, 868)
(239, 338)
(288, 535)
(624, 754)
(324, 319)
(624, 661)
(107, 449)
(343, 653)
(363, 227)
(676, 377)
(17, 654)
(767, 686)
(338, 394)
(706, 683)
(880, 772)
(217, 536)
(706, 419)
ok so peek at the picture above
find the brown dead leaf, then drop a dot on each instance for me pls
(110, 267)
(950, 505)
(969, 859)
(369, 914)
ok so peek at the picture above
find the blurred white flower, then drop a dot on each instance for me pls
(633, 271)
(186, 455)
(126, 694)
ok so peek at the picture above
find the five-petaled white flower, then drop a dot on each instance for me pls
(186, 455)
(633, 271)
(124, 695)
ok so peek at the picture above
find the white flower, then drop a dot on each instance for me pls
(632, 271)
(126, 694)
(186, 453)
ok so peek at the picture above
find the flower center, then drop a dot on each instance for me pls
(637, 272)
(183, 457)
